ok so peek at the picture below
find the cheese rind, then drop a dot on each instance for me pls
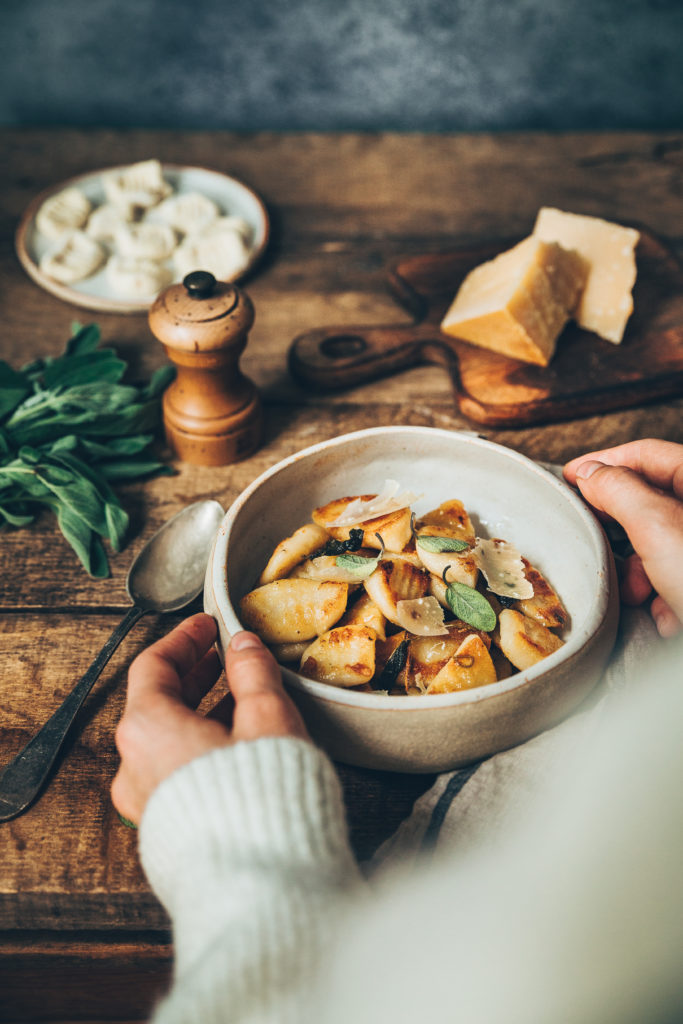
(519, 302)
(609, 250)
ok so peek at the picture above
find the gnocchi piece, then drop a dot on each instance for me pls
(136, 279)
(105, 221)
(290, 552)
(225, 255)
(75, 257)
(68, 210)
(189, 212)
(145, 241)
(325, 567)
(522, 640)
(289, 653)
(344, 656)
(394, 581)
(136, 187)
(364, 612)
(394, 528)
(461, 567)
(428, 655)
(470, 666)
(545, 606)
(287, 611)
(450, 519)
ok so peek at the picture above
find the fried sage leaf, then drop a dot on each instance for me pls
(470, 606)
(430, 543)
(360, 566)
(340, 547)
(385, 679)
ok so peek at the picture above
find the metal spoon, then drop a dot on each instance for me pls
(166, 575)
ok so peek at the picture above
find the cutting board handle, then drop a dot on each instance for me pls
(340, 357)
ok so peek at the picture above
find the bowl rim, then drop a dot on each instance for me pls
(424, 702)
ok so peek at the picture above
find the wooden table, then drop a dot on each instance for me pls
(81, 935)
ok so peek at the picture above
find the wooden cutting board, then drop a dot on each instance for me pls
(587, 375)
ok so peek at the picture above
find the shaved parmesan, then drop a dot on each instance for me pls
(422, 616)
(502, 566)
(359, 511)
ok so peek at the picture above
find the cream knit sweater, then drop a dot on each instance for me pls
(573, 917)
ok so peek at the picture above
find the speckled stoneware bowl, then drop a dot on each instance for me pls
(507, 496)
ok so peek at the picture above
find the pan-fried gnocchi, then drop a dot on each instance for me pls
(366, 595)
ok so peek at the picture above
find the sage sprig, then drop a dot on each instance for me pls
(68, 427)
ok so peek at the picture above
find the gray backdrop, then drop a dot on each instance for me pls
(343, 64)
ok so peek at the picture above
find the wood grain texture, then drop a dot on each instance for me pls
(343, 207)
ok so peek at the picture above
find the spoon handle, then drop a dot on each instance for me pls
(23, 778)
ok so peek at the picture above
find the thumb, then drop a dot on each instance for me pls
(262, 708)
(652, 520)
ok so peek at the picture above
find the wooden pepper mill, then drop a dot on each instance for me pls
(212, 413)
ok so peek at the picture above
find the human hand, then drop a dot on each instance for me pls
(640, 485)
(161, 730)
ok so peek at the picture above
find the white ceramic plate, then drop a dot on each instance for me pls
(232, 196)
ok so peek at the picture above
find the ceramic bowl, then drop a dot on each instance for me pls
(507, 495)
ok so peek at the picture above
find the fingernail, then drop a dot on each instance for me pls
(587, 469)
(243, 641)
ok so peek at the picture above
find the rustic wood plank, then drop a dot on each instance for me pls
(68, 862)
(45, 978)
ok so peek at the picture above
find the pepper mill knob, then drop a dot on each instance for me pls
(212, 413)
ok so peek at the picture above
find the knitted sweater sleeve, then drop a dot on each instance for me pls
(247, 849)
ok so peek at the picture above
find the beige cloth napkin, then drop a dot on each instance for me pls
(475, 803)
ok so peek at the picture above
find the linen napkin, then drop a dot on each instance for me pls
(474, 804)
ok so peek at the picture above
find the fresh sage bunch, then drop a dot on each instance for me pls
(69, 428)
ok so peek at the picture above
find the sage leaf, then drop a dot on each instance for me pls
(441, 544)
(15, 518)
(14, 388)
(78, 534)
(159, 381)
(358, 565)
(339, 547)
(88, 368)
(394, 666)
(83, 339)
(130, 470)
(468, 604)
(117, 523)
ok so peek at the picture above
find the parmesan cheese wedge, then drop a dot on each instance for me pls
(519, 302)
(609, 251)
